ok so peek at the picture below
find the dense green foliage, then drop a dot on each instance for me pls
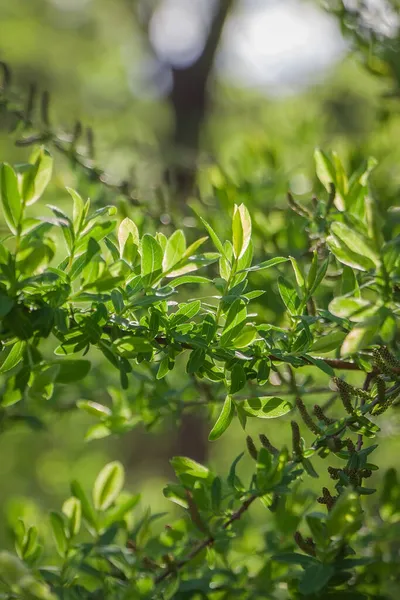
(118, 292)
(118, 316)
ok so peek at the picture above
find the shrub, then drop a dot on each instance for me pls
(118, 293)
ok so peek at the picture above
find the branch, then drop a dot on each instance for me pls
(66, 144)
(209, 541)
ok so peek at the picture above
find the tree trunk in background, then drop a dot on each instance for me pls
(189, 100)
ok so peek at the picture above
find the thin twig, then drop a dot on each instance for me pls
(209, 541)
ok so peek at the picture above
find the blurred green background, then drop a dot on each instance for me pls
(282, 81)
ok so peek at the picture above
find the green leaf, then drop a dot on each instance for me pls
(238, 378)
(298, 274)
(216, 241)
(315, 578)
(13, 357)
(189, 279)
(78, 210)
(125, 503)
(266, 264)
(266, 407)
(187, 466)
(196, 360)
(294, 558)
(10, 198)
(329, 342)
(357, 243)
(6, 304)
(345, 518)
(174, 250)
(87, 509)
(359, 338)
(128, 239)
(71, 370)
(356, 309)
(41, 385)
(224, 419)
(346, 256)
(130, 346)
(241, 230)
(319, 276)
(325, 169)
(94, 408)
(185, 312)
(190, 251)
(12, 569)
(36, 179)
(225, 262)
(245, 337)
(288, 295)
(321, 364)
(235, 321)
(72, 509)
(59, 534)
(151, 259)
(108, 485)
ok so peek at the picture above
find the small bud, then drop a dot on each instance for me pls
(381, 390)
(334, 473)
(307, 545)
(365, 473)
(346, 391)
(296, 437)
(267, 444)
(350, 445)
(306, 417)
(251, 448)
(384, 361)
(391, 361)
(327, 499)
(321, 416)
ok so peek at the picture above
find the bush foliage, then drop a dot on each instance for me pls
(81, 287)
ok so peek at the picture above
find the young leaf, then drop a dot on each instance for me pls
(127, 231)
(174, 250)
(108, 485)
(78, 210)
(10, 198)
(224, 419)
(59, 534)
(72, 509)
(13, 357)
(241, 230)
(288, 295)
(36, 179)
(235, 322)
(187, 466)
(87, 509)
(216, 241)
(266, 407)
(151, 260)
(298, 274)
(355, 241)
(267, 264)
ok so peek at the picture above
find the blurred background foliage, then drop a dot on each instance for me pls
(284, 78)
